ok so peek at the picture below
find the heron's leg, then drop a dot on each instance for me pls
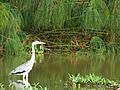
(23, 77)
(26, 77)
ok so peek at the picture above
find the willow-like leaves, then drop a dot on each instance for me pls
(10, 25)
(52, 13)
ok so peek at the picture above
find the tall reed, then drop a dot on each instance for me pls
(10, 25)
(52, 14)
(97, 15)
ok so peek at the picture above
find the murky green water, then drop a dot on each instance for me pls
(52, 70)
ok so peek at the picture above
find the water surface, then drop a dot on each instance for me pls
(52, 70)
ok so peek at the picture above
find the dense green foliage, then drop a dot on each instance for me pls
(36, 16)
(91, 80)
(10, 25)
(97, 44)
(52, 14)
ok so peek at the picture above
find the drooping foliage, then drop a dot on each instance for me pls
(96, 15)
(37, 15)
(91, 16)
(114, 20)
(52, 13)
(10, 25)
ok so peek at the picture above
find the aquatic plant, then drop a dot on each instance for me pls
(36, 87)
(39, 87)
(76, 78)
(2, 86)
(91, 79)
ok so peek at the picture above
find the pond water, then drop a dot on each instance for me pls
(51, 70)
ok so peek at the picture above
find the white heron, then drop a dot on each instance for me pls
(25, 68)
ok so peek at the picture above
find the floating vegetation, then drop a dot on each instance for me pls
(91, 80)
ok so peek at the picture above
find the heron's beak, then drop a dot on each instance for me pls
(42, 43)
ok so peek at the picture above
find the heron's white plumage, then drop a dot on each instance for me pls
(25, 68)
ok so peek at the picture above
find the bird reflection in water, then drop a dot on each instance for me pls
(20, 84)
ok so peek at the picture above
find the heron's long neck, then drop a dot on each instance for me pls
(33, 53)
